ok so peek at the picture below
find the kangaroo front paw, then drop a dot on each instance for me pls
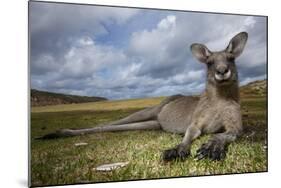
(175, 153)
(213, 150)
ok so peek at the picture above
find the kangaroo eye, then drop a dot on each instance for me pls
(230, 58)
(210, 61)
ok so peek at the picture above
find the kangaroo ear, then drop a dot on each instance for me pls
(237, 44)
(201, 52)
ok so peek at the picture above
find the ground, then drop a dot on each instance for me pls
(59, 161)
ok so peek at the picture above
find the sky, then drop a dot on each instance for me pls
(122, 53)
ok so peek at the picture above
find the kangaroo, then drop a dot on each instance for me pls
(216, 111)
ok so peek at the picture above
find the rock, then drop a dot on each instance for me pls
(110, 167)
(81, 144)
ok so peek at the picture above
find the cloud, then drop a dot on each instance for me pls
(129, 53)
(159, 51)
(165, 52)
(55, 28)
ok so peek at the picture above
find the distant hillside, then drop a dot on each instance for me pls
(43, 98)
(256, 88)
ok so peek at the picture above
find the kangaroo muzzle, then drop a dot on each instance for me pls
(219, 76)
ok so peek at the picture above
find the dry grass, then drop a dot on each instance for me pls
(101, 106)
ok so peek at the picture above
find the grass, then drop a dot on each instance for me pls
(101, 106)
(55, 162)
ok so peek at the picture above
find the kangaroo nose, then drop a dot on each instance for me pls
(222, 70)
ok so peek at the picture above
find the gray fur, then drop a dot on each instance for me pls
(216, 110)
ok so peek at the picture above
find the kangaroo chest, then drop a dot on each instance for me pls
(209, 115)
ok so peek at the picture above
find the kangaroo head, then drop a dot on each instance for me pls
(221, 65)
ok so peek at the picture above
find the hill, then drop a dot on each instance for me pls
(253, 89)
(256, 88)
(44, 98)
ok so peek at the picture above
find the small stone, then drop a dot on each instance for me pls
(110, 167)
(81, 144)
